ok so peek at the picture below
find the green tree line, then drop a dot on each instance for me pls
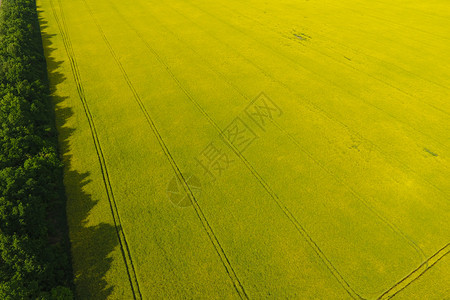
(34, 260)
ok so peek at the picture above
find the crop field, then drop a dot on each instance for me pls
(254, 149)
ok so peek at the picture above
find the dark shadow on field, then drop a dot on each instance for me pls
(91, 246)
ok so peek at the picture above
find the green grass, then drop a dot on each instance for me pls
(342, 195)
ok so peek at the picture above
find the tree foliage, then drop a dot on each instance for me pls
(32, 264)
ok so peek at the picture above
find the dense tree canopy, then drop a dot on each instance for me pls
(32, 265)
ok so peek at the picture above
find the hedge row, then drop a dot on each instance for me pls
(34, 262)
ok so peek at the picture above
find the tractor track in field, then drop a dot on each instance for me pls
(361, 52)
(416, 274)
(205, 223)
(67, 43)
(125, 251)
(427, 264)
(410, 28)
(311, 106)
(413, 9)
(376, 17)
(392, 226)
(259, 178)
(348, 65)
(293, 61)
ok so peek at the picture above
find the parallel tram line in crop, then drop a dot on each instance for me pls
(366, 54)
(445, 112)
(392, 226)
(293, 61)
(296, 142)
(315, 108)
(348, 65)
(262, 182)
(415, 40)
(416, 274)
(308, 105)
(426, 263)
(125, 251)
(377, 17)
(273, 195)
(205, 223)
(412, 9)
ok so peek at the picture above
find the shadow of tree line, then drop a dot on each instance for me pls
(90, 246)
